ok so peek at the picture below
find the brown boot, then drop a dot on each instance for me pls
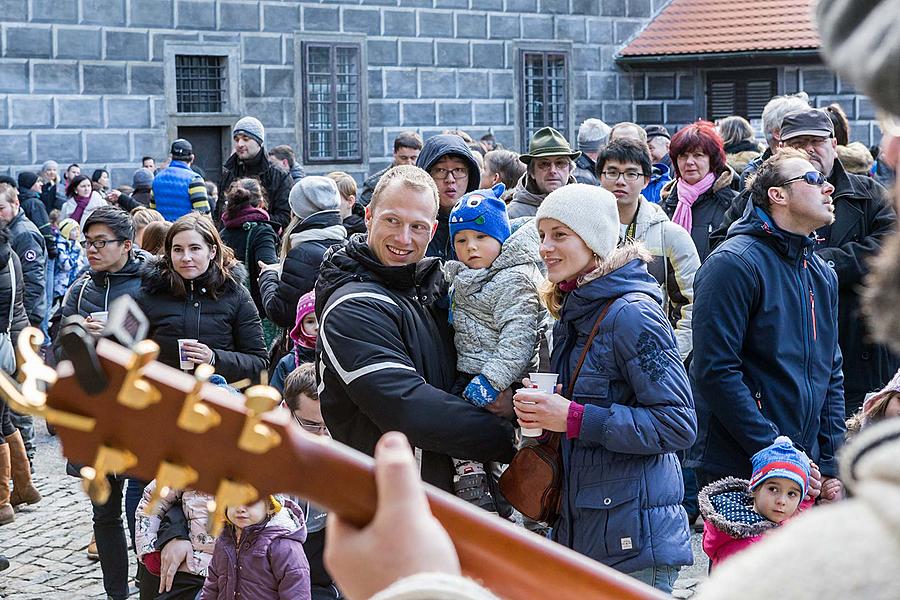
(6, 510)
(24, 491)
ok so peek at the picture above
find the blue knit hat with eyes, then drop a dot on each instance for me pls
(481, 210)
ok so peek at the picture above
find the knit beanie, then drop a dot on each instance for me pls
(588, 210)
(142, 178)
(27, 179)
(306, 305)
(66, 226)
(481, 210)
(780, 459)
(251, 127)
(313, 194)
(49, 164)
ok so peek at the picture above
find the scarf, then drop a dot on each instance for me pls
(246, 214)
(687, 195)
(80, 204)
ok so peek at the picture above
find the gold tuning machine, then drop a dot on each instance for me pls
(170, 477)
(136, 392)
(197, 416)
(257, 437)
(109, 460)
(230, 493)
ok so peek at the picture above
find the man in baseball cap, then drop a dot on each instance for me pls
(177, 189)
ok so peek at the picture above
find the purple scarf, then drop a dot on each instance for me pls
(247, 214)
(80, 204)
(687, 195)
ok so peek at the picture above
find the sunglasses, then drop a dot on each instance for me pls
(811, 177)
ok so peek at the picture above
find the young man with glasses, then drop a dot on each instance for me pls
(766, 356)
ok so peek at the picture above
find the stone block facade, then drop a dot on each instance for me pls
(89, 81)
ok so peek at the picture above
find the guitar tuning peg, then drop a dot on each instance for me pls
(197, 416)
(170, 476)
(136, 392)
(109, 460)
(230, 493)
(256, 436)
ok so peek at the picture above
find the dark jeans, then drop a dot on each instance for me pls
(111, 544)
(6, 424)
(704, 478)
(690, 503)
(25, 425)
(185, 586)
(134, 489)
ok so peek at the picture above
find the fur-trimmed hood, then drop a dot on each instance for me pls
(728, 504)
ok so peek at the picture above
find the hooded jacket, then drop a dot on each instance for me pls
(766, 356)
(37, 214)
(707, 212)
(526, 198)
(674, 266)
(309, 241)
(622, 484)
(496, 312)
(436, 148)
(386, 363)
(253, 241)
(267, 564)
(228, 323)
(276, 182)
(97, 290)
(660, 176)
(28, 243)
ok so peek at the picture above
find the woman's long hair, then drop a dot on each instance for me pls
(220, 270)
(154, 238)
(244, 192)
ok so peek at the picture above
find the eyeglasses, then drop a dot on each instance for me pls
(442, 173)
(614, 175)
(811, 177)
(99, 244)
(311, 426)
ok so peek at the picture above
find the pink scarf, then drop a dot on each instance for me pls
(687, 195)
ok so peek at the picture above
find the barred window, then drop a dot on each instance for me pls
(332, 102)
(200, 83)
(545, 92)
(742, 93)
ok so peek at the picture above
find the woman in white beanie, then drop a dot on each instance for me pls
(315, 226)
(625, 405)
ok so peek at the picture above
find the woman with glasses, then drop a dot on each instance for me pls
(701, 192)
(82, 200)
(197, 308)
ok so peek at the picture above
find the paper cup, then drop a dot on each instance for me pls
(186, 364)
(101, 316)
(545, 382)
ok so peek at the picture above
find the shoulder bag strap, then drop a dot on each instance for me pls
(587, 346)
(12, 287)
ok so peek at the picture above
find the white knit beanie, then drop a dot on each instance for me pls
(588, 210)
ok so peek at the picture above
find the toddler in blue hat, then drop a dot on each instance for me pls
(495, 309)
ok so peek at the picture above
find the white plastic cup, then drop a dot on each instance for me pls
(186, 363)
(545, 382)
(100, 316)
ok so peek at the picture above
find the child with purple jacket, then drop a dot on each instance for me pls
(260, 554)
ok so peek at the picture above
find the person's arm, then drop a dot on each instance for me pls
(265, 246)
(280, 293)
(363, 350)
(832, 427)
(147, 526)
(663, 417)
(32, 254)
(685, 262)
(849, 260)
(249, 357)
(279, 207)
(20, 317)
(197, 194)
(290, 568)
(725, 292)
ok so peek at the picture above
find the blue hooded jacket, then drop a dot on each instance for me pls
(766, 356)
(622, 487)
(660, 176)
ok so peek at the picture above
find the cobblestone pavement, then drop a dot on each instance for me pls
(46, 543)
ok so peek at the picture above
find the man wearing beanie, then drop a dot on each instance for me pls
(249, 159)
(549, 165)
(591, 137)
(177, 189)
(315, 227)
(142, 182)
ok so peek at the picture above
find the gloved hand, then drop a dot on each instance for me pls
(480, 392)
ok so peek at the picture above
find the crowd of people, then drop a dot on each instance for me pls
(698, 295)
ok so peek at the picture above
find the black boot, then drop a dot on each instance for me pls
(4, 563)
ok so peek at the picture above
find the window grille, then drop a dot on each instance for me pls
(742, 93)
(332, 103)
(200, 83)
(546, 100)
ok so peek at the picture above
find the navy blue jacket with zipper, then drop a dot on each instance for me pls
(766, 355)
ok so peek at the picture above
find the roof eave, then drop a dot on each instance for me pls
(746, 57)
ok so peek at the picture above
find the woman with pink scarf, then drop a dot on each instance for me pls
(701, 192)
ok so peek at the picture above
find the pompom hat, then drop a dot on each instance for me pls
(781, 459)
(482, 211)
(588, 210)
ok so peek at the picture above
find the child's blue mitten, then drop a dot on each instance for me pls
(480, 392)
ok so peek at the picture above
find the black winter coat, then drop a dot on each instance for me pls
(316, 234)
(707, 212)
(386, 355)
(228, 324)
(252, 242)
(20, 319)
(276, 182)
(37, 214)
(28, 243)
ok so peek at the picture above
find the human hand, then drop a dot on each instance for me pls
(541, 410)
(402, 540)
(815, 481)
(93, 327)
(174, 554)
(832, 490)
(197, 352)
(112, 196)
(274, 267)
(502, 406)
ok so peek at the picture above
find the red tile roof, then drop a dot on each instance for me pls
(721, 26)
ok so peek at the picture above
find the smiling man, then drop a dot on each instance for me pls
(766, 356)
(386, 360)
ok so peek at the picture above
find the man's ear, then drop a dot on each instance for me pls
(777, 196)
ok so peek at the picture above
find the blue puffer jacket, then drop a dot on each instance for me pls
(623, 489)
(766, 356)
(171, 190)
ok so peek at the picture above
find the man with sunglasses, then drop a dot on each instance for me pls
(766, 356)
